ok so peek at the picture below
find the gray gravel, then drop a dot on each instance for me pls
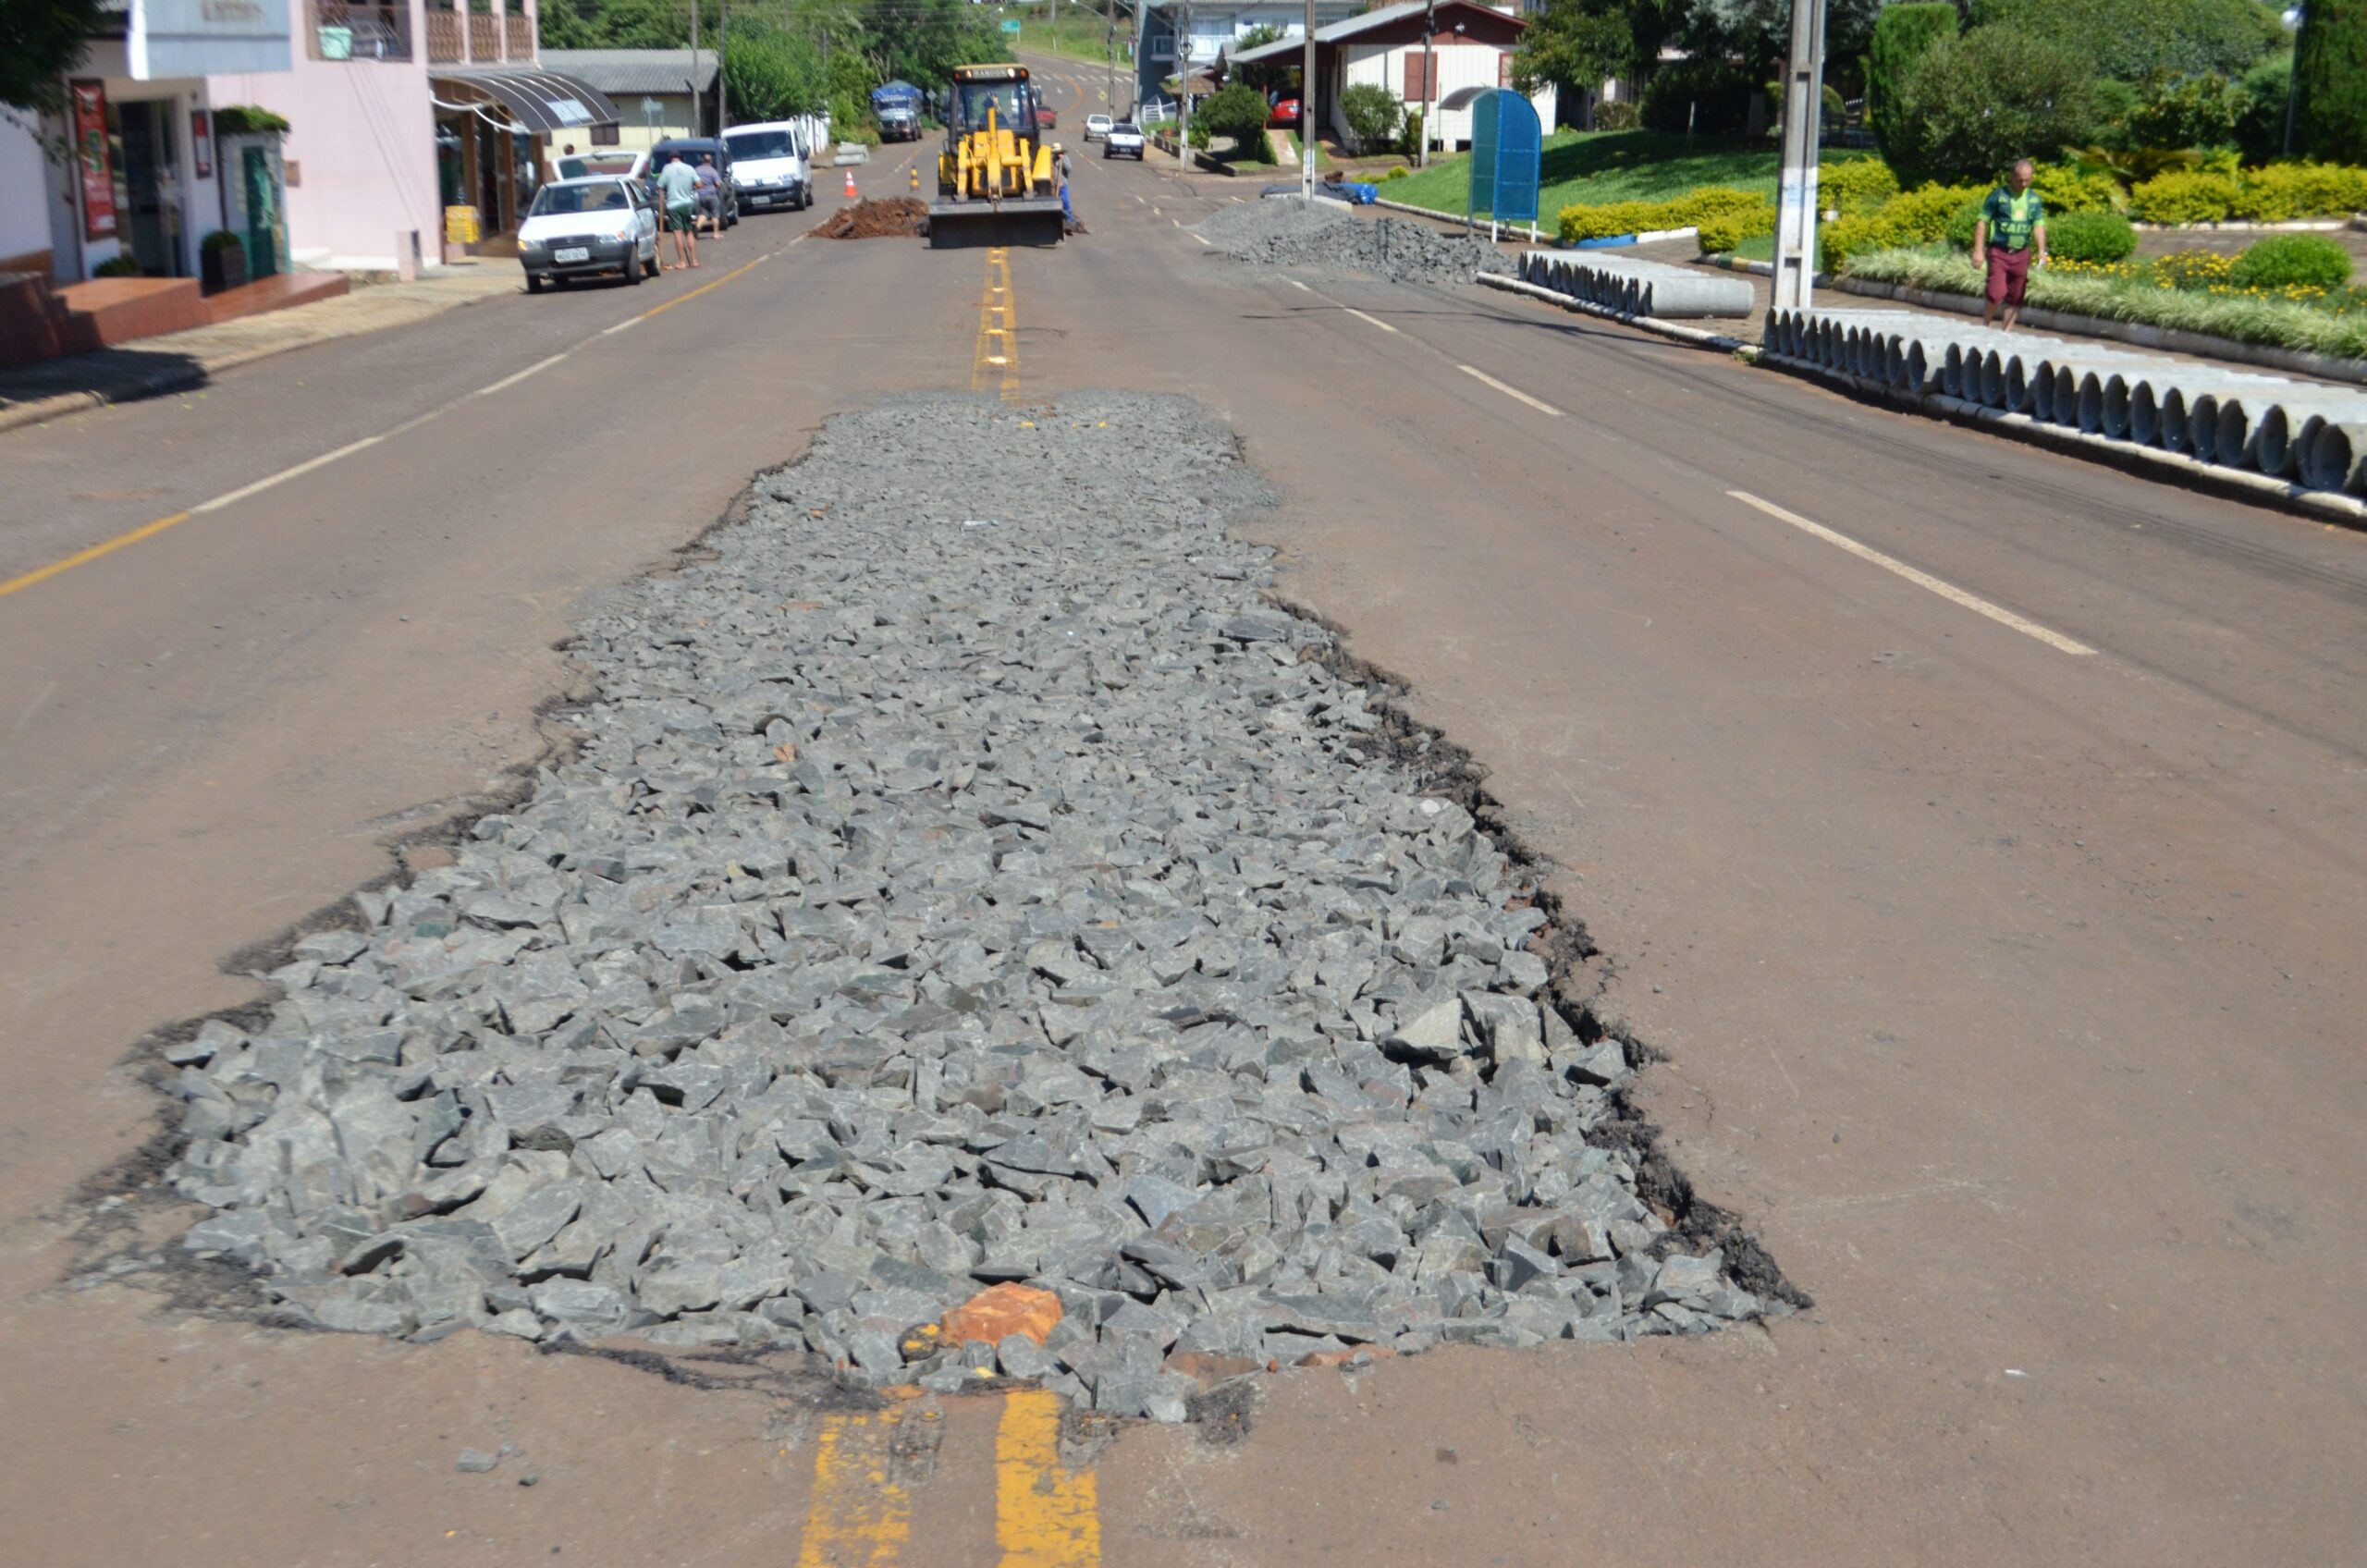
(1287, 231)
(966, 878)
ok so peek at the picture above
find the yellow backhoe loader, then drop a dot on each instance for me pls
(994, 179)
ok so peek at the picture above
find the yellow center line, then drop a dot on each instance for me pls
(705, 288)
(858, 1515)
(1045, 1516)
(79, 558)
(997, 358)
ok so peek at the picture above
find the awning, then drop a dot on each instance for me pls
(543, 102)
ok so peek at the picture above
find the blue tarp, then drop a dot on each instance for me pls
(1506, 146)
(895, 93)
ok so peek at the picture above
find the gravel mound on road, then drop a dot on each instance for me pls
(895, 218)
(1287, 232)
(967, 876)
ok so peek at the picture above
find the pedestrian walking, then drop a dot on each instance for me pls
(1060, 177)
(677, 191)
(2009, 239)
(711, 193)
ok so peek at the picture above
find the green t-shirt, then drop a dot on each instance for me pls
(680, 184)
(2012, 217)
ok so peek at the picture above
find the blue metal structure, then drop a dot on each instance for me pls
(1507, 146)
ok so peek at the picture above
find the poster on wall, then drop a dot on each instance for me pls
(200, 142)
(91, 152)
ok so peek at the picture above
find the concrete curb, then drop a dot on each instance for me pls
(2149, 462)
(2177, 341)
(1692, 336)
(2146, 462)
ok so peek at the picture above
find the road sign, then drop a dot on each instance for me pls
(1011, 29)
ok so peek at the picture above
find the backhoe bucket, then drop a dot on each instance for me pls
(1015, 220)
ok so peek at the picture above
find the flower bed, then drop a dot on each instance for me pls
(2188, 292)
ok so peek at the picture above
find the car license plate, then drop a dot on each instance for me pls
(573, 253)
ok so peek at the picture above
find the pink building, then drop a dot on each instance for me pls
(400, 111)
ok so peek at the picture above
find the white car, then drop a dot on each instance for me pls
(768, 165)
(1123, 140)
(1097, 126)
(579, 227)
(626, 162)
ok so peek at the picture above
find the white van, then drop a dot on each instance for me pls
(771, 164)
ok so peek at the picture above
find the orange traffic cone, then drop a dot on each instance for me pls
(852, 192)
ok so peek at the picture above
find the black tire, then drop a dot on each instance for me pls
(534, 283)
(650, 267)
(633, 270)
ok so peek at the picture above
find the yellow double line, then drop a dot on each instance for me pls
(860, 1512)
(996, 365)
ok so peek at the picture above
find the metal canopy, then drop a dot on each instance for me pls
(543, 102)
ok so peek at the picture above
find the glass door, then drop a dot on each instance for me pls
(148, 193)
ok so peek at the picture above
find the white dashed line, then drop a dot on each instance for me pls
(1540, 406)
(1948, 591)
(1383, 326)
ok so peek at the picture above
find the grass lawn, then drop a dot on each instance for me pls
(1073, 33)
(1322, 156)
(1586, 168)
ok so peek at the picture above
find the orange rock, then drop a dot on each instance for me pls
(785, 753)
(999, 1311)
(1207, 1368)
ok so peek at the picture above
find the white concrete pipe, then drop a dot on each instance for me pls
(2286, 429)
(2337, 458)
(2157, 406)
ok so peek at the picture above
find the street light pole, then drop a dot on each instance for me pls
(694, 67)
(1306, 135)
(1429, 75)
(2301, 18)
(1183, 85)
(1795, 205)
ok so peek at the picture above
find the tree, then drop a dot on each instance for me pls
(1576, 45)
(772, 74)
(1903, 36)
(1974, 105)
(2136, 40)
(40, 41)
(1266, 76)
(1372, 112)
(1238, 111)
(2330, 82)
(1760, 30)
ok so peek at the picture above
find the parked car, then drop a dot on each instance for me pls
(769, 166)
(1123, 140)
(1045, 118)
(626, 162)
(583, 227)
(691, 149)
(1097, 126)
(1285, 116)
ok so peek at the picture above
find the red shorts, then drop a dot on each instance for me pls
(2009, 275)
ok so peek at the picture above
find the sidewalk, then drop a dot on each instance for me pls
(31, 394)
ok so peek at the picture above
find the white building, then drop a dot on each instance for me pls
(1422, 52)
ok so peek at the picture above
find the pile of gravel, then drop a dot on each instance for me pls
(966, 878)
(1286, 231)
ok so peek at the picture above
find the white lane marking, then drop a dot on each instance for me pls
(1138, 201)
(625, 325)
(1541, 407)
(1205, 241)
(1920, 579)
(1386, 328)
(1302, 287)
(284, 475)
(506, 382)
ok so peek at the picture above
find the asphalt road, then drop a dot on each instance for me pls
(1977, 831)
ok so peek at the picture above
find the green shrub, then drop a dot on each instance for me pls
(1919, 218)
(248, 119)
(221, 239)
(1859, 186)
(2101, 238)
(2067, 189)
(2142, 40)
(1902, 35)
(1963, 222)
(1688, 211)
(2184, 197)
(2200, 111)
(2289, 261)
(1372, 112)
(1400, 172)
(1971, 105)
(2330, 80)
(2282, 192)
(122, 265)
(1721, 235)
(1237, 112)
(1410, 138)
(1702, 94)
(1616, 116)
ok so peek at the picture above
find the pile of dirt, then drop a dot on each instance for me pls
(1289, 232)
(898, 219)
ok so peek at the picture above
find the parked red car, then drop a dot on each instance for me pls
(1285, 114)
(1046, 119)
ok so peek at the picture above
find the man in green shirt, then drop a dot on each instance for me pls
(678, 188)
(2009, 237)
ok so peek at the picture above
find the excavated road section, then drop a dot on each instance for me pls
(967, 875)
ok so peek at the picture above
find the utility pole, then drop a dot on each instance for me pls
(1307, 138)
(1183, 85)
(722, 87)
(1795, 205)
(1142, 22)
(694, 67)
(1110, 47)
(1430, 78)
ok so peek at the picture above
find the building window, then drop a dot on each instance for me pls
(1417, 84)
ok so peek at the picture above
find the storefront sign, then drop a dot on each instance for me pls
(200, 142)
(169, 38)
(90, 153)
